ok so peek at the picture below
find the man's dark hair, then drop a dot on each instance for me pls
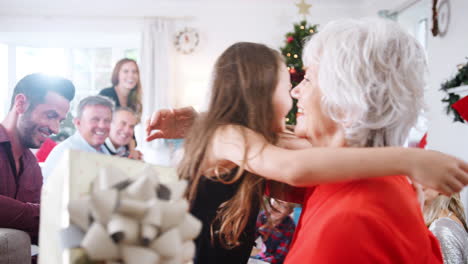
(35, 87)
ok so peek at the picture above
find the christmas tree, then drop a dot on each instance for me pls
(292, 52)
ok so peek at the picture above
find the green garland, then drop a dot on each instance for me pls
(292, 52)
(461, 78)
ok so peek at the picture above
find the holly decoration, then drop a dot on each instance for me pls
(292, 52)
(461, 78)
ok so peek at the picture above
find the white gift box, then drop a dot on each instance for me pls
(70, 180)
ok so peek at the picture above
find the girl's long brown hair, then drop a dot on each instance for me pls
(134, 98)
(245, 78)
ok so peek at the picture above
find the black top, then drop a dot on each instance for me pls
(112, 94)
(121, 152)
(210, 195)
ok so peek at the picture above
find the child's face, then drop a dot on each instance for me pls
(282, 101)
(282, 210)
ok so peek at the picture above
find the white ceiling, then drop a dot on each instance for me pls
(139, 8)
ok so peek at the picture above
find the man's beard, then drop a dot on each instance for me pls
(27, 130)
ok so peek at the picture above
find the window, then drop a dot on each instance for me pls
(47, 60)
(89, 69)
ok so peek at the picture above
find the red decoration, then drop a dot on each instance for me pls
(297, 76)
(292, 71)
(45, 149)
(423, 142)
(290, 39)
(461, 106)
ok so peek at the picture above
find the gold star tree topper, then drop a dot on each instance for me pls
(303, 7)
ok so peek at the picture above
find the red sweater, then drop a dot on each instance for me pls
(366, 221)
(45, 150)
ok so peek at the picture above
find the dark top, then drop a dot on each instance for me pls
(112, 94)
(20, 189)
(121, 152)
(210, 195)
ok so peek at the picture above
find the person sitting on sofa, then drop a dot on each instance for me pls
(93, 120)
(121, 133)
(38, 105)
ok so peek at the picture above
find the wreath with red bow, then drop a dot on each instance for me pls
(456, 105)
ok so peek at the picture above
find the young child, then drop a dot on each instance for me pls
(251, 90)
(275, 230)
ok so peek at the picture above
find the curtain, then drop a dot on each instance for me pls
(155, 72)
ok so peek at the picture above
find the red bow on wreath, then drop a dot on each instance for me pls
(423, 142)
(461, 106)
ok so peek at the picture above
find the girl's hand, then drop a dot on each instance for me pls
(438, 171)
(170, 123)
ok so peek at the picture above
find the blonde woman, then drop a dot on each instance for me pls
(445, 218)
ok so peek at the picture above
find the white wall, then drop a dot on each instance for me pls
(445, 53)
(63, 31)
(54, 23)
(229, 25)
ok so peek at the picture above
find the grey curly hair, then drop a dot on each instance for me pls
(372, 75)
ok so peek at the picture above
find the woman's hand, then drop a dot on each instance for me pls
(136, 155)
(288, 140)
(419, 194)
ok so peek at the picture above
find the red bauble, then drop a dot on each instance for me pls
(297, 76)
(292, 71)
(290, 39)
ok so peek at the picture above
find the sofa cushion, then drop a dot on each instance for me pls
(15, 247)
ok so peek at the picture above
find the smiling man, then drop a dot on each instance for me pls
(121, 134)
(38, 105)
(93, 120)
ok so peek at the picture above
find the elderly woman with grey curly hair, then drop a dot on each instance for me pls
(363, 88)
